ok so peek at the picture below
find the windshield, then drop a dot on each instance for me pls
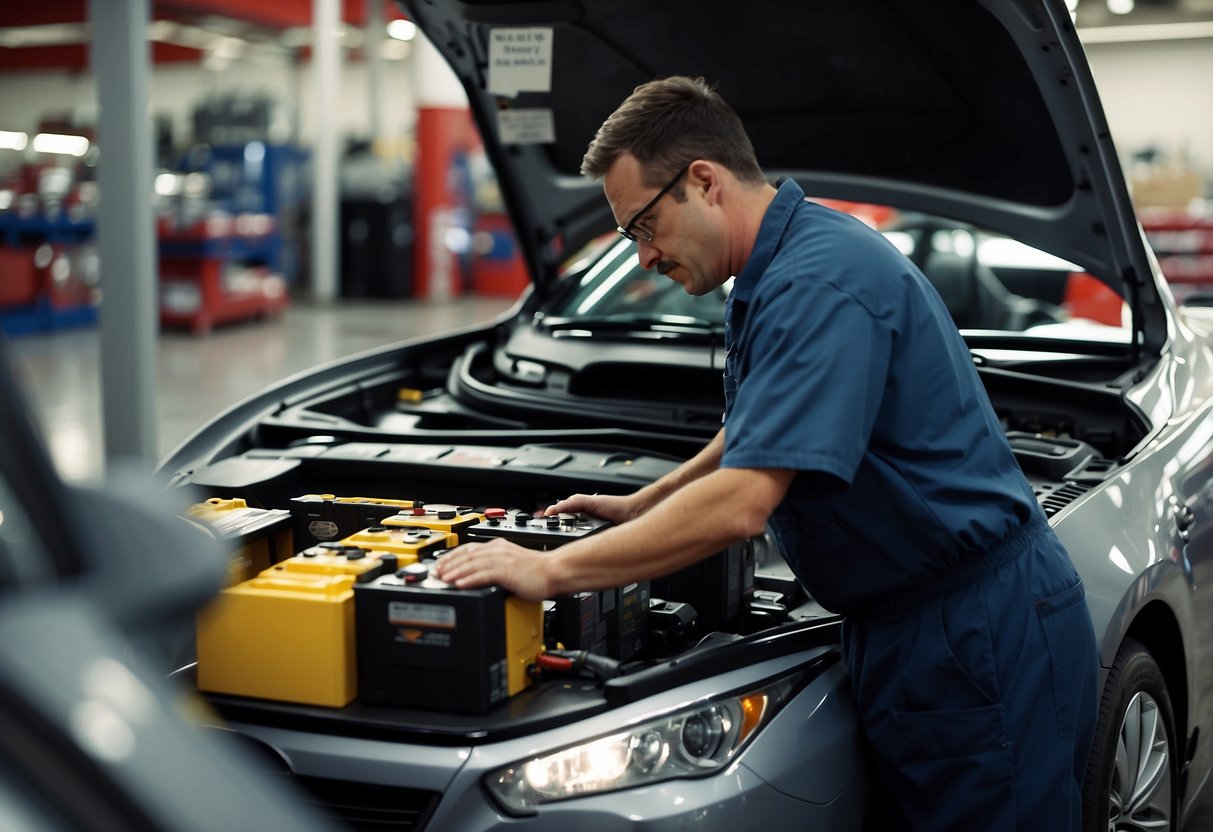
(989, 282)
(616, 288)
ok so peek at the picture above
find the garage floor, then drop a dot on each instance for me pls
(200, 376)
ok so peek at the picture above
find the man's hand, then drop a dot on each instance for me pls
(500, 562)
(605, 506)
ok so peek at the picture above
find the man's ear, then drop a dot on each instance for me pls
(705, 176)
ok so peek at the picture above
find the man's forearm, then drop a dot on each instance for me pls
(676, 533)
(698, 466)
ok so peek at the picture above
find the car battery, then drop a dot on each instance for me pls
(440, 517)
(256, 537)
(628, 622)
(719, 587)
(534, 532)
(579, 618)
(336, 559)
(325, 517)
(424, 644)
(409, 544)
(285, 635)
(579, 622)
(610, 622)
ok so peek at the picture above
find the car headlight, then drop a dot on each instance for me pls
(694, 741)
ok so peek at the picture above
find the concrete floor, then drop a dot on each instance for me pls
(198, 376)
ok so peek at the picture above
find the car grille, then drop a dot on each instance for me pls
(358, 806)
(369, 808)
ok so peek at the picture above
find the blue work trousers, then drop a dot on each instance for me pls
(979, 707)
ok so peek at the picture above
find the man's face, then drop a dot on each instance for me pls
(686, 245)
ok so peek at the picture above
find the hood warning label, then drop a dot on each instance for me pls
(520, 60)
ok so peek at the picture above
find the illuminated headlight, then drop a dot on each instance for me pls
(695, 741)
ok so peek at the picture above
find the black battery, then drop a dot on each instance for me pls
(719, 587)
(322, 517)
(535, 532)
(579, 622)
(628, 622)
(428, 645)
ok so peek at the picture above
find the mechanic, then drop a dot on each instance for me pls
(856, 425)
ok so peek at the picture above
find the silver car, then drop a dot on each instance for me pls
(972, 133)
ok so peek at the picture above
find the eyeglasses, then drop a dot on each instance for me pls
(634, 232)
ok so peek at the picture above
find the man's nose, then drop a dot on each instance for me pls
(648, 253)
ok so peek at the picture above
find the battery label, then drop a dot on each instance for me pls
(428, 615)
(322, 529)
(497, 682)
(425, 638)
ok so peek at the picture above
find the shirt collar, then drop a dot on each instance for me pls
(770, 232)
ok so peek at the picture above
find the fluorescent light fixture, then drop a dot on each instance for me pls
(10, 140)
(52, 34)
(1194, 30)
(168, 184)
(402, 29)
(60, 143)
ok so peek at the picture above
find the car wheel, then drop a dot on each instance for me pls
(1132, 777)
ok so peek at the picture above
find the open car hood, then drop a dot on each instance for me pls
(979, 110)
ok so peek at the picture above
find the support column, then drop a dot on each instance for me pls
(126, 239)
(326, 69)
(374, 70)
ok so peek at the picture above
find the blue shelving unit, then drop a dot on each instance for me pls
(15, 230)
(261, 178)
(42, 315)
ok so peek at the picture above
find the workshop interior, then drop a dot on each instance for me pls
(297, 297)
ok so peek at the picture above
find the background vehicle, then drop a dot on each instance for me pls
(594, 383)
(92, 734)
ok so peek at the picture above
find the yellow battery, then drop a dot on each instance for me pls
(447, 518)
(378, 501)
(335, 560)
(523, 640)
(256, 537)
(284, 636)
(408, 545)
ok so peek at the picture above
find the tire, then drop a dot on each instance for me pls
(1129, 785)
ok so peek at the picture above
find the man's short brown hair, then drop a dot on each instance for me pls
(668, 123)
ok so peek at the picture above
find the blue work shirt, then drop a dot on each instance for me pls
(844, 365)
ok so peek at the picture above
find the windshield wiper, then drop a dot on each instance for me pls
(673, 324)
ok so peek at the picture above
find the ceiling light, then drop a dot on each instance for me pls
(13, 141)
(402, 29)
(60, 143)
(1195, 30)
(1120, 6)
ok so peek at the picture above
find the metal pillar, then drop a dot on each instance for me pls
(374, 67)
(326, 68)
(126, 240)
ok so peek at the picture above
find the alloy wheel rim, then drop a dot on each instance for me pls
(1140, 796)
